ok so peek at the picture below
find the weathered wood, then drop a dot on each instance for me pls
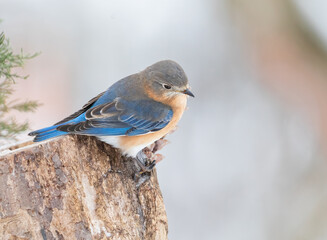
(76, 187)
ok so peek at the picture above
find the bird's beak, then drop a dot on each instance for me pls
(188, 92)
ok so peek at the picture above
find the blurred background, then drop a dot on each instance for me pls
(248, 160)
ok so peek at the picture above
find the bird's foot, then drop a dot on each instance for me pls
(157, 145)
(144, 162)
(147, 158)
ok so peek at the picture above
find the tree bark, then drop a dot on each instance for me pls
(76, 187)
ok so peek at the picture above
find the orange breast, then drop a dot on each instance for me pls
(178, 105)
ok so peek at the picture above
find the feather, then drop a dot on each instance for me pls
(121, 117)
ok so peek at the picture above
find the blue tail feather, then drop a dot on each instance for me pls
(43, 130)
(48, 132)
(46, 135)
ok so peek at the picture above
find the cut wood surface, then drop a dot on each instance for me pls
(76, 187)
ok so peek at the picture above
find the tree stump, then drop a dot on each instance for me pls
(76, 187)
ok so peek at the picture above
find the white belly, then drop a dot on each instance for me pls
(115, 142)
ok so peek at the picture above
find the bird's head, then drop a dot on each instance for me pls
(167, 79)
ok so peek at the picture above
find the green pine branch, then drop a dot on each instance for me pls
(9, 61)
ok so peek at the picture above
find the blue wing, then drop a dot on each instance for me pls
(120, 117)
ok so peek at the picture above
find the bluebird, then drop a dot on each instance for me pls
(131, 114)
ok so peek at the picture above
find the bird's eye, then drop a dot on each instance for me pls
(166, 86)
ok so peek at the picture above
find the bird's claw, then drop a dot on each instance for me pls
(146, 165)
(147, 158)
